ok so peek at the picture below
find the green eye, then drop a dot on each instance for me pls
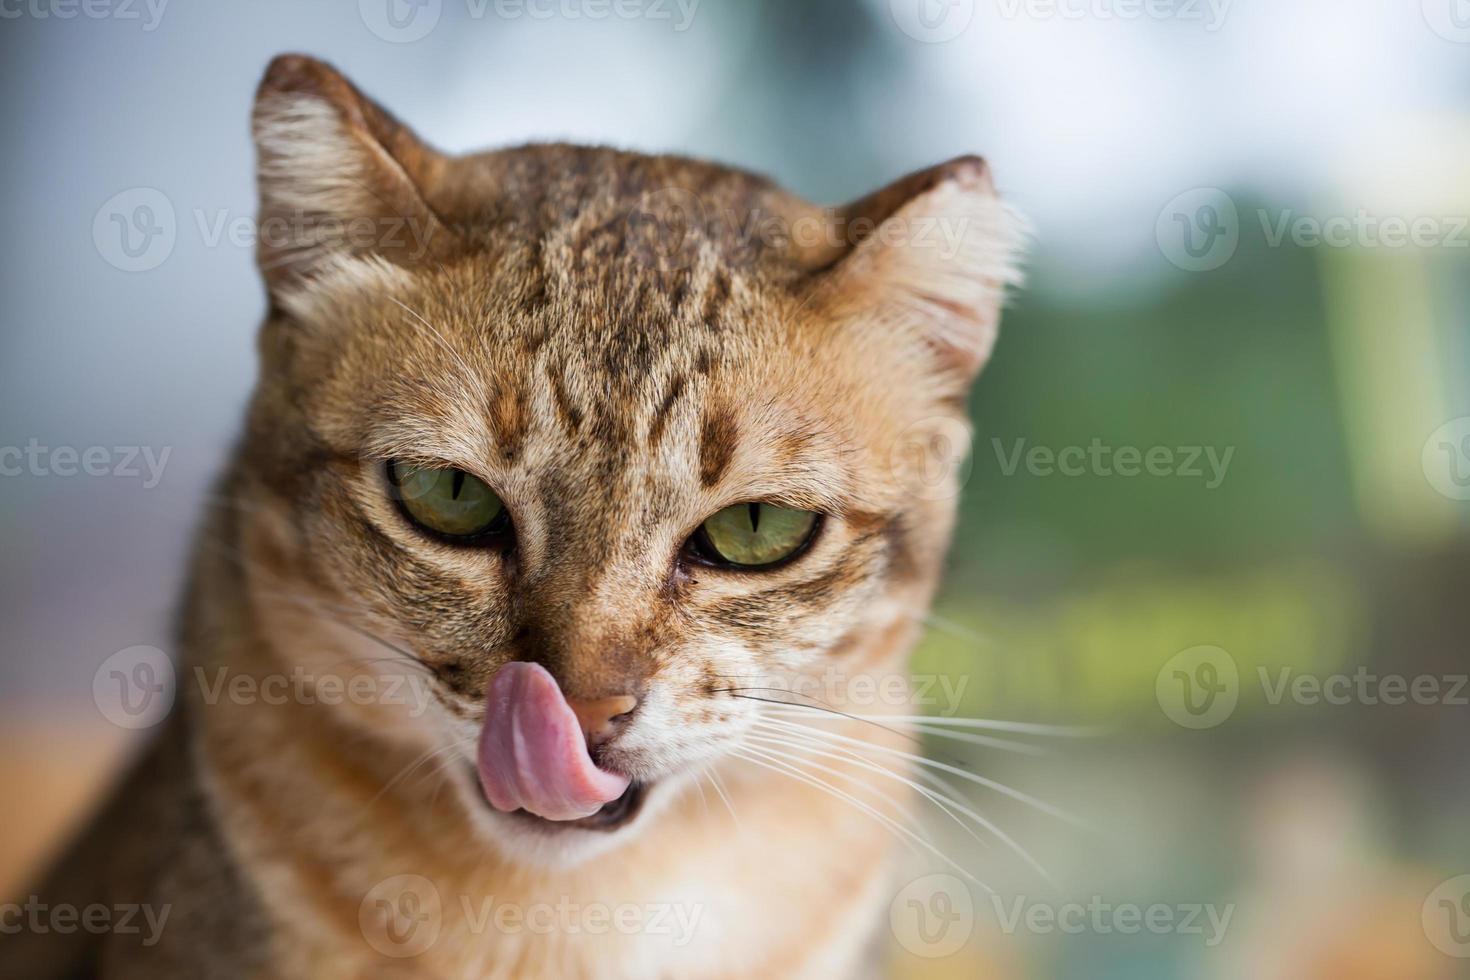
(754, 535)
(447, 501)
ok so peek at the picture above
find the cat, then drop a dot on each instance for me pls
(573, 464)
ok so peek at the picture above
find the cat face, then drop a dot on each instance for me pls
(501, 435)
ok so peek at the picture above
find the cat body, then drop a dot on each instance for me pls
(620, 346)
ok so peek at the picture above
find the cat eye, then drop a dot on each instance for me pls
(448, 501)
(754, 536)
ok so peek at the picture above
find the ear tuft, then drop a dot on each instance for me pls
(930, 256)
(338, 176)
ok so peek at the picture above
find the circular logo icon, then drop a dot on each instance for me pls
(932, 21)
(401, 916)
(1450, 19)
(1446, 917)
(662, 228)
(1199, 230)
(134, 688)
(400, 21)
(933, 916)
(1446, 459)
(1198, 687)
(135, 230)
(931, 457)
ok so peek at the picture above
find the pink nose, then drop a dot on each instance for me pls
(598, 718)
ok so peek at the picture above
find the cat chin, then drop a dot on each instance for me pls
(559, 846)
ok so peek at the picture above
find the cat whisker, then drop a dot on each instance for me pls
(699, 777)
(983, 724)
(407, 770)
(400, 655)
(1015, 727)
(986, 741)
(944, 625)
(899, 808)
(965, 774)
(827, 713)
(812, 748)
(946, 803)
(821, 706)
(719, 785)
(762, 758)
(335, 613)
(464, 365)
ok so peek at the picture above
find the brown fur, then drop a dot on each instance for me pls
(620, 345)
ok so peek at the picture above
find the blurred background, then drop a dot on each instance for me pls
(1217, 504)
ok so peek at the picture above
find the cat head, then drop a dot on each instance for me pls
(654, 424)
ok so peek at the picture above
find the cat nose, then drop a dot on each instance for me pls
(600, 718)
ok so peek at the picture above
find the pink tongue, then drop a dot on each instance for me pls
(533, 755)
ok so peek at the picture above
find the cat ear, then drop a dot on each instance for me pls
(338, 175)
(929, 256)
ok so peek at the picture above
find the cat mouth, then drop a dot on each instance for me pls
(612, 816)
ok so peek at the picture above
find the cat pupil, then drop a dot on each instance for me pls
(458, 484)
(755, 517)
